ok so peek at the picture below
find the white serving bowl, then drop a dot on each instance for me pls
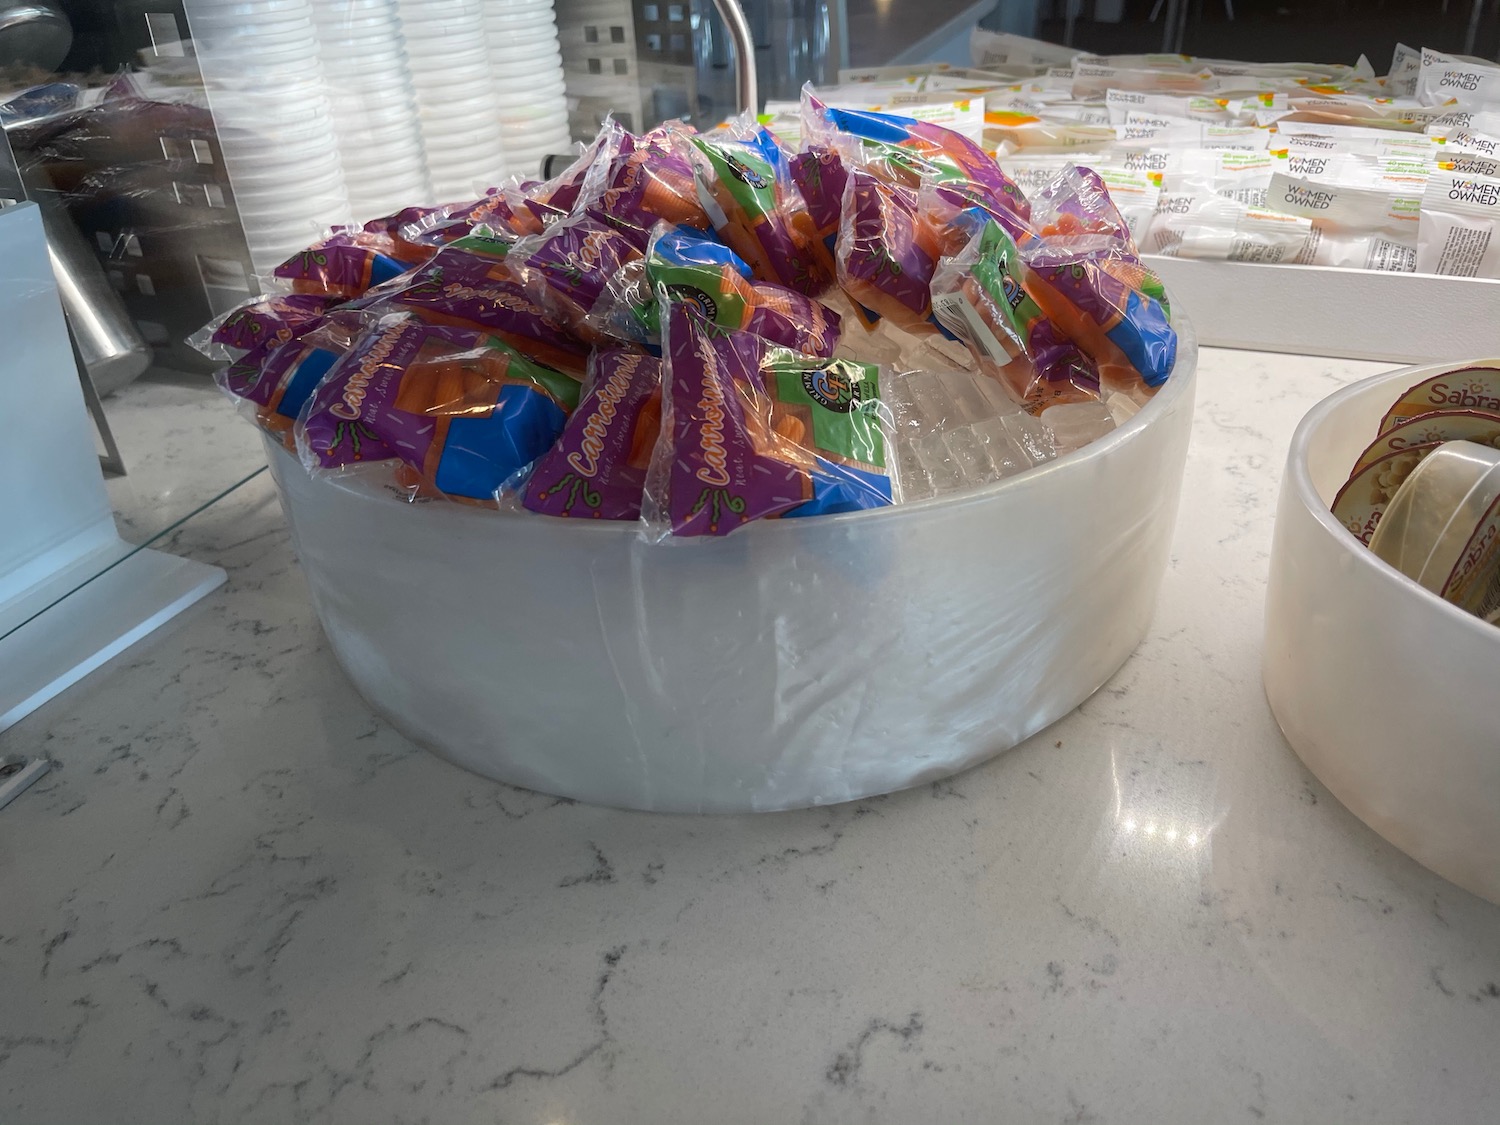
(1389, 694)
(794, 662)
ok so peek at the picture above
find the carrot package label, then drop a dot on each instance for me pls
(597, 469)
(461, 408)
(754, 431)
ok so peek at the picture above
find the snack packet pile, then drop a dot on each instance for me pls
(1425, 493)
(1207, 158)
(700, 330)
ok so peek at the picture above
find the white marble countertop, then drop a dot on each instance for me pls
(241, 897)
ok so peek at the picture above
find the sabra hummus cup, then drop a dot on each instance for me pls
(1439, 526)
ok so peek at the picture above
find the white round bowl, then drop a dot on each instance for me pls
(795, 662)
(1388, 693)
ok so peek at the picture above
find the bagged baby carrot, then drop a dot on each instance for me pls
(753, 431)
(911, 152)
(885, 254)
(1095, 292)
(980, 296)
(468, 284)
(652, 181)
(568, 267)
(1076, 202)
(745, 185)
(820, 177)
(597, 468)
(262, 322)
(460, 409)
(273, 381)
(345, 264)
(692, 266)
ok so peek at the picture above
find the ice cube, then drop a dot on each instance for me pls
(968, 396)
(970, 460)
(938, 463)
(915, 481)
(1122, 407)
(1032, 436)
(1007, 457)
(1075, 424)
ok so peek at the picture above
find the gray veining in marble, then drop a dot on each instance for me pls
(242, 898)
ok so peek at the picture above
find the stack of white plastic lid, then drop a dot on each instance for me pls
(530, 101)
(374, 105)
(455, 87)
(266, 87)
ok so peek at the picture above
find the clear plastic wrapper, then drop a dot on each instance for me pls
(461, 410)
(597, 467)
(754, 431)
(908, 152)
(820, 177)
(693, 266)
(272, 382)
(1096, 292)
(886, 253)
(1458, 234)
(567, 268)
(651, 180)
(1366, 227)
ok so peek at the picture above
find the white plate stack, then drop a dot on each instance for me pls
(531, 102)
(374, 105)
(260, 63)
(456, 95)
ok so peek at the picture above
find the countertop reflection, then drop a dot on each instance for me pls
(244, 897)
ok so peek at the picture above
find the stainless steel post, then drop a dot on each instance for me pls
(744, 54)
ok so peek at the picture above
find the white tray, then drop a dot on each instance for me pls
(1317, 310)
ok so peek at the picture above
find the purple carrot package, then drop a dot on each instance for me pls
(567, 268)
(597, 468)
(262, 322)
(755, 431)
(460, 409)
(469, 284)
(345, 264)
(273, 381)
(886, 255)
